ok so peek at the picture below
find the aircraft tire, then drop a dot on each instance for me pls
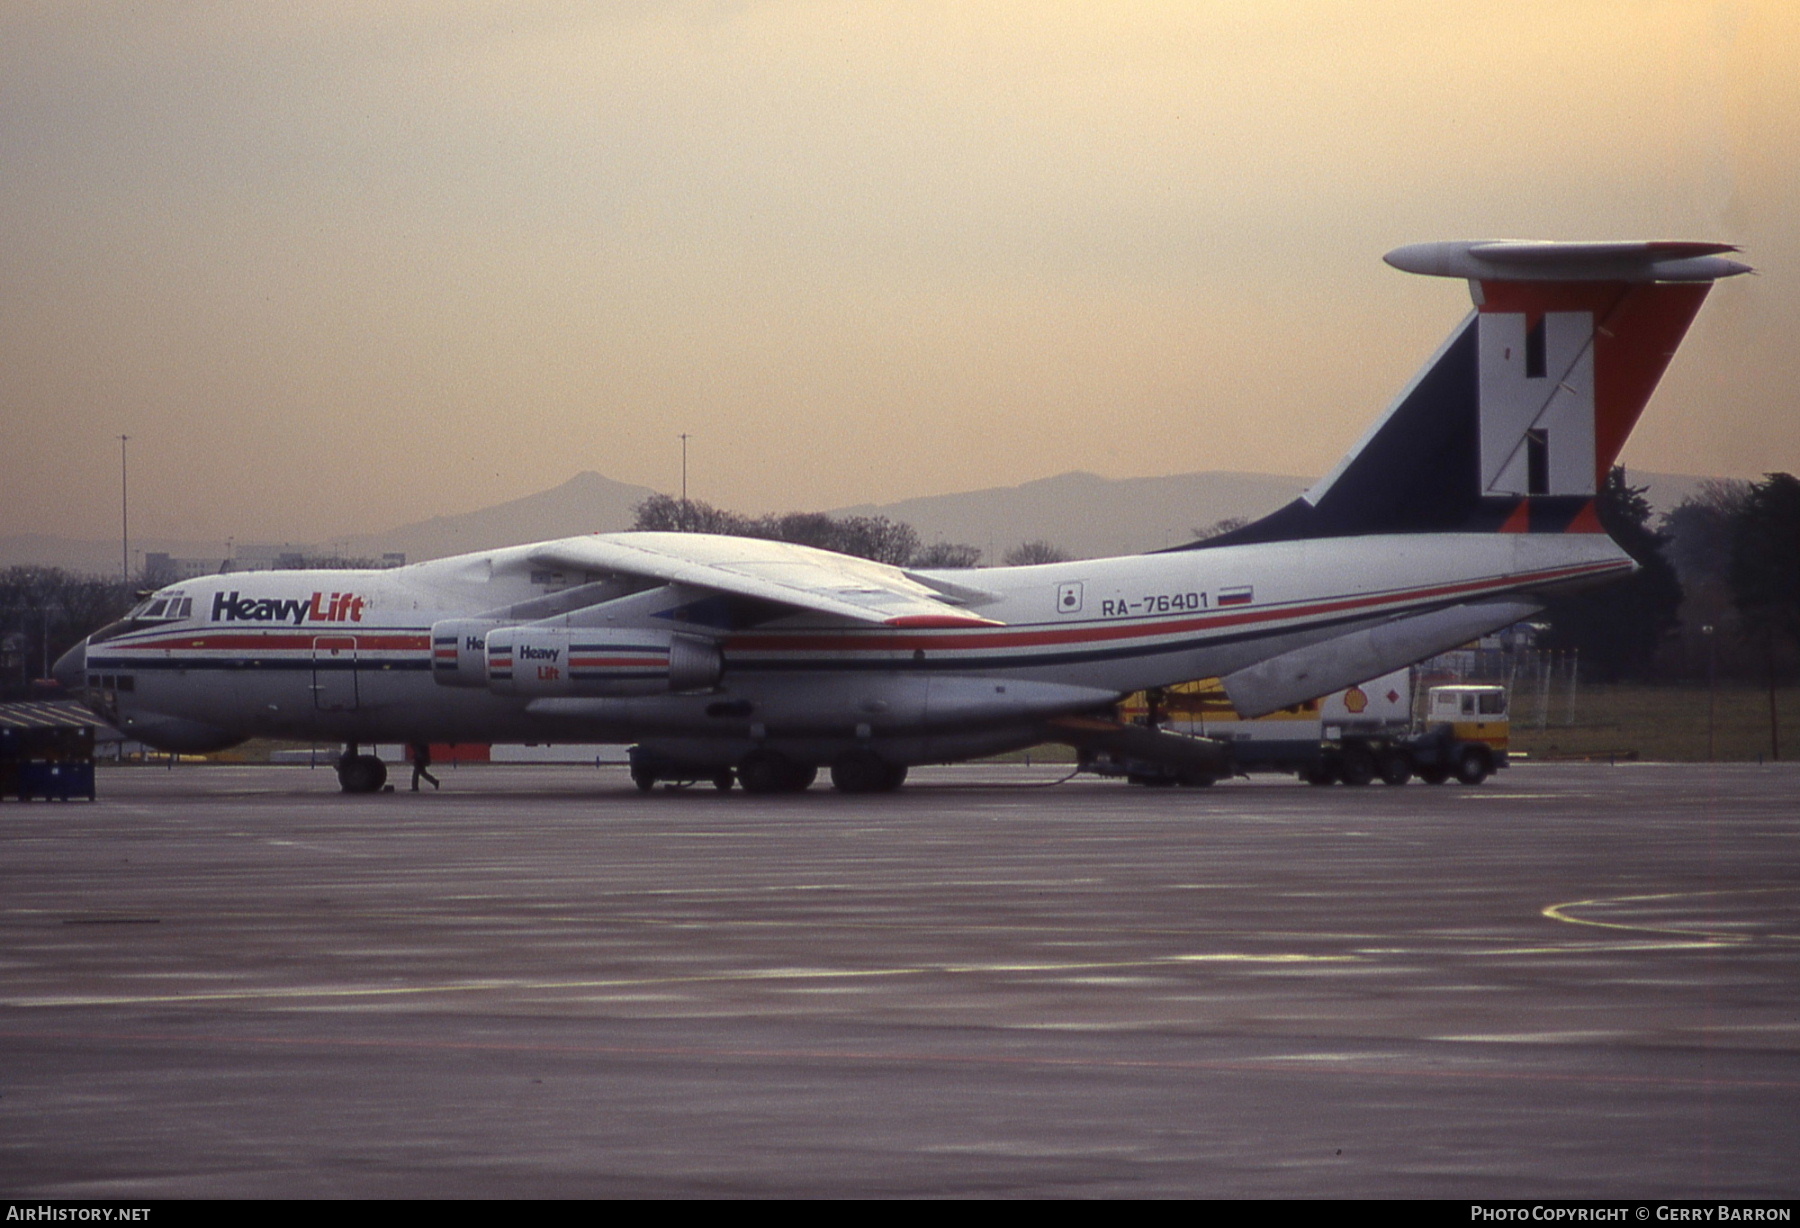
(762, 772)
(1195, 780)
(860, 771)
(768, 771)
(1471, 765)
(723, 780)
(361, 774)
(645, 781)
(1357, 767)
(1394, 768)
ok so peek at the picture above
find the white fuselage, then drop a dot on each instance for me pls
(347, 655)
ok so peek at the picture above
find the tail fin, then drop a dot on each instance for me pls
(1516, 420)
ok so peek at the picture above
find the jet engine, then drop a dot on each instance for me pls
(459, 651)
(602, 661)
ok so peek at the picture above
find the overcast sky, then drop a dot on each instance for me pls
(337, 266)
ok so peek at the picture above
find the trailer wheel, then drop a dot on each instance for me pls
(1471, 765)
(1319, 775)
(1436, 774)
(1358, 766)
(1395, 768)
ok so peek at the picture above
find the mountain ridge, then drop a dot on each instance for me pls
(1082, 513)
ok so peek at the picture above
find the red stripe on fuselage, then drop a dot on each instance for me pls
(270, 641)
(863, 641)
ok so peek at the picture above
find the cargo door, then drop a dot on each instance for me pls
(334, 673)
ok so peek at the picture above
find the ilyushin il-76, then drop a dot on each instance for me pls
(1466, 506)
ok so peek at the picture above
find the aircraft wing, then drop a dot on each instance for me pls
(800, 576)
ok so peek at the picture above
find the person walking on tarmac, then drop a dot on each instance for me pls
(421, 757)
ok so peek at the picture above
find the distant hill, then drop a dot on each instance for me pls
(1085, 514)
(586, 503)
(1089, 516)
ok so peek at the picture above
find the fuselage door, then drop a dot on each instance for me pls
(334, 673)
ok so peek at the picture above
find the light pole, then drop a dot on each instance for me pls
(124, 515)
(684, 502)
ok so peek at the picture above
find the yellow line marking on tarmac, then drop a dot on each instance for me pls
(1590, 948)
(1695, 937)
(766, 974)
(1267, 959)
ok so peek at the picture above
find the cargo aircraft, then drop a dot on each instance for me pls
(1462, 510)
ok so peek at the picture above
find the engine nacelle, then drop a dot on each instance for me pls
(605, 661)
(459, 651)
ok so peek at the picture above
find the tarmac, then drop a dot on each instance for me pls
(1574, 981)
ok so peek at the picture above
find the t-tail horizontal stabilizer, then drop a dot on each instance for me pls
(1513, 424)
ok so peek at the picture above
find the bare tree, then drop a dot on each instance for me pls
(947, 556)
(44, 611)
(878, 538)
(1025, 554)
(667, 514)
(869, 537)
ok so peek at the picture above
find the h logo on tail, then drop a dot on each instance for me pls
(1515, 421)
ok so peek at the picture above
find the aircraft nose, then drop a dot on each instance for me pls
(71, 668)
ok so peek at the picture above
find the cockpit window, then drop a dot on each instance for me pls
(160, 609)
(151, 611)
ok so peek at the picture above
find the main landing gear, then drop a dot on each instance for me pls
(769, 771)
(766, 771)
(360, 773)
(854, 771)
(864, 771)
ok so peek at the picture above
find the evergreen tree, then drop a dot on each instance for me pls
(1765, 559)
(1618, 628)
(1765, 576)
